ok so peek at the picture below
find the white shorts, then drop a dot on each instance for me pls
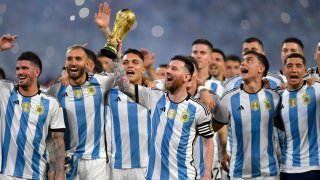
(95, 169)
(132, 174)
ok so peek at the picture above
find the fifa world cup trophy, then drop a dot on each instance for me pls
(125, 19)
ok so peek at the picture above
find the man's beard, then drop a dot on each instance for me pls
(175, 85)
(75, 77)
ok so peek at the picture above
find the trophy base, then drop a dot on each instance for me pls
(109, 52)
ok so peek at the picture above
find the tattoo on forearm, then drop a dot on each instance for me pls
(122, 79)
(58, 150)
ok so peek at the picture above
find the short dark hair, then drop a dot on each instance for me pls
(253, 39)
(295, 55)
(31, 57)
(294, 40)
(233, 57)
(77, 46)
(133, 51)
(186, 60)
(97, 64)
(163, 65)
(194, 61)
(2, 74)
(216, 50)
(203, 41)
(262, 58)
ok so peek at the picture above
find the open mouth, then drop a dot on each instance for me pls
(294, 77)
(243, 70)
(130, 72)
(74, 69)
(22, 77)
(169, 78)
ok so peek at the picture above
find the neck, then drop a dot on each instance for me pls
(219, 77)
(79, 81)
(252, 86)
(178, 95)
(294, 87)
(28, 91)
(193, 89)
(204, 74)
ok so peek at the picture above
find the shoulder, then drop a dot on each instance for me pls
(50, 98)
(274, 76)
(230, 92)
(232, 79)
(198, 103)
(7, 83)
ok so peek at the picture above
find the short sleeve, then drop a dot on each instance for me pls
(147, 96)
(221, 111)
(204, 123)
(57, 120)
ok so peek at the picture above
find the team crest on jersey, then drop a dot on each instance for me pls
(25, 106)
(172, 113)
(185, 116)
(255, 105)
(292, 102)
(267, 104)
(39, 109)
(77, 93)
(306, 99)
(92, 90)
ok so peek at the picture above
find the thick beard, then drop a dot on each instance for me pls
(81, 72)
(175, 85)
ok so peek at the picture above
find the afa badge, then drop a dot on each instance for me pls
(172, 113)
(92, 90)
(185, 116)
(292, 102)
(26, 106)
(267, 104)
(77, 93)
(306, 99)
(39, 109)
(255, 105)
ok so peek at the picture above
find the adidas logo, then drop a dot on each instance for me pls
(118, 99)
(240, 108)
(163, 109)
(16, 102)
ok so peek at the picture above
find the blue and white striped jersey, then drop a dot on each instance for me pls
(215, 86)
(24, 126)
(300, 112)
(84, 114)
(252, 122)
(274, 80)
(130, 131)
(174, 127)
(312, 73)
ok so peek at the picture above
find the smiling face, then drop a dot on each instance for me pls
(27, 73)
(133, 66)
(216, 67)
(76, 63)
(251, 68)
(294, 70)
(177, 75)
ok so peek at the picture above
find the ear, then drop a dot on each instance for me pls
(187, 77)
(37, 72)
(261, 69)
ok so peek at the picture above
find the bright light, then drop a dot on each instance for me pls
(84, 12)
(157, 31)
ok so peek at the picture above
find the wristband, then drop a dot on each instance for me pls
(200, 88)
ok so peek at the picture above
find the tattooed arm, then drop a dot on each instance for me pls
(56, 153)
(122, 80)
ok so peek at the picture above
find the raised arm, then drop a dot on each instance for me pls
(102, 18)
(149, 59)
(122, 80)
(6, 42)
(56, 159)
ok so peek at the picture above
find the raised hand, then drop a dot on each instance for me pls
(6, 42)
(149, 58)
(102, 18)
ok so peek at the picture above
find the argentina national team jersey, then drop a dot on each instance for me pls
(312, 73)
(274, 80)
(25, 123)
(215, 86)
(174, 127)
(130, 131)
(251, 120)
(83, 109)
(301, 118)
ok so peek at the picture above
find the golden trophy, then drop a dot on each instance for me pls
(125, 19)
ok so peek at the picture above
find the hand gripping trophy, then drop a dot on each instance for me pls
(125, 19)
